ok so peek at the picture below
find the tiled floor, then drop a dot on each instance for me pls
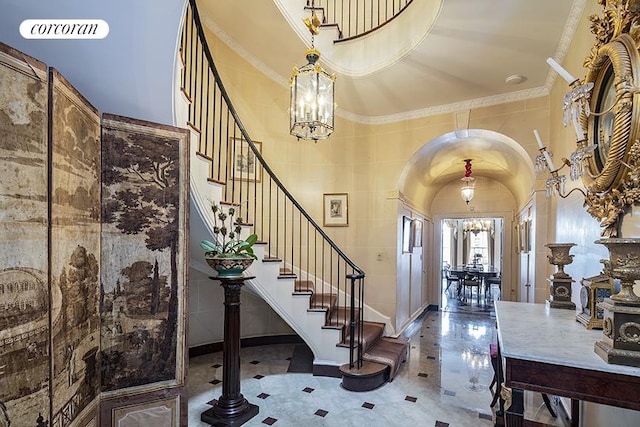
(443, 383)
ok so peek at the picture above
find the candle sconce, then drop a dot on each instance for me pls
(555, 185)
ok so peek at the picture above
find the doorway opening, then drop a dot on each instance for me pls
(472, 257)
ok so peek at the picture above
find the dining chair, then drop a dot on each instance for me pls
(471, 281)
(450, 278)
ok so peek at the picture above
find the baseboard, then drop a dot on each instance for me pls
(246, 342)
(432, 307)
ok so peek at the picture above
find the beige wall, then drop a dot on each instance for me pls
(367, 162)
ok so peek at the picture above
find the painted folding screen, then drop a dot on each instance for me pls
(24, 293)
(145, 205)
(75, 250)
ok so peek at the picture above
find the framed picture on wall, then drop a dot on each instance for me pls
(416, 233)
(336, 209)
(244, 164)
(407, 234)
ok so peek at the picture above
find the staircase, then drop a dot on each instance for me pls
(301, 273)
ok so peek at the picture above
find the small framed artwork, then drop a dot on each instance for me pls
(244, 165)
(407, 234)
(336, 210)
(416, 233)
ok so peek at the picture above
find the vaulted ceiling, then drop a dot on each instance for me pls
(454, 55)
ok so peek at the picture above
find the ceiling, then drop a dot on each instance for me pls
(459, 59)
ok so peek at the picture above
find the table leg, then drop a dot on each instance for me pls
(514, 415)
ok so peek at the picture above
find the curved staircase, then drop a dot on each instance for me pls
(300, 272)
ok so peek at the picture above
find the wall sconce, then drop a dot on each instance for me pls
(468, 188)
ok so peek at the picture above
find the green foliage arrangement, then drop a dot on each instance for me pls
(228, 243)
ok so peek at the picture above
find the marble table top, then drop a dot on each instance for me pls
(536, 332)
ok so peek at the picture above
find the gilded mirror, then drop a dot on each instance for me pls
(613, 121)
(605, 95)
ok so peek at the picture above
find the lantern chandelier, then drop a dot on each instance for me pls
(467, 189)
(312, 93)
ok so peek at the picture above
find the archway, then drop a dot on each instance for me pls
(505, 180)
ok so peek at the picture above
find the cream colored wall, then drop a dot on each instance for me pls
(364, 160)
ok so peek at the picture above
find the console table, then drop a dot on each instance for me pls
(546, 350)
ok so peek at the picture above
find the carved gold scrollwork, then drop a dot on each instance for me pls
(613, 64)
(505, 394)
(630, 333)
(607, 327)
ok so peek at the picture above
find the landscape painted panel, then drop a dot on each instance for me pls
(24, 290)
(75, 251)
(145, 188)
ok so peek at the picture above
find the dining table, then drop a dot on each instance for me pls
(476, 272)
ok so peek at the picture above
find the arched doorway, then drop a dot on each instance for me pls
(505, 181)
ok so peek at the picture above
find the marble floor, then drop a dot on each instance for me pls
(444, 382)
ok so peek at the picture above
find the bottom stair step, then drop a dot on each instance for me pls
(389, 351)
(371, 375)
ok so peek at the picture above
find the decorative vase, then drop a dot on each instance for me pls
(623, 264)
(560, 290)
(560, 257)
(620, 343)
(229, 267)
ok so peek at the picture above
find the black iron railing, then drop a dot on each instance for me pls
(355, 18)
(290, 234)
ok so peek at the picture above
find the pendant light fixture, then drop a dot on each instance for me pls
(468, 186)
(312, 93)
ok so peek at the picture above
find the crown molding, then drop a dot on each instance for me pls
(563, 46)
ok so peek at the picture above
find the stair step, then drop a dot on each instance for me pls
(369, 376)
(322, 301)
(371, 332)
(341, 316)
(216, 181)
(389, 351)
(303, 287)
(286, 273)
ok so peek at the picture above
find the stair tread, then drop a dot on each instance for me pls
(303, 286)
(342, 316)
(371, 332)
(325, 301)
(390, 351)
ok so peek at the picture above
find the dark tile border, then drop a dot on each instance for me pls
(246, 342)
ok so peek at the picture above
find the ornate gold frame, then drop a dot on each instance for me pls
(622, 56)
(613, 186)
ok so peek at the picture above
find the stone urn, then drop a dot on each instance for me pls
(623, 264)
(560, 288)
(620, 343)
(560, 257)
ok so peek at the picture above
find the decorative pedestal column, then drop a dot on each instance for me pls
(621, 328)
(560, 281)
(231, 409)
